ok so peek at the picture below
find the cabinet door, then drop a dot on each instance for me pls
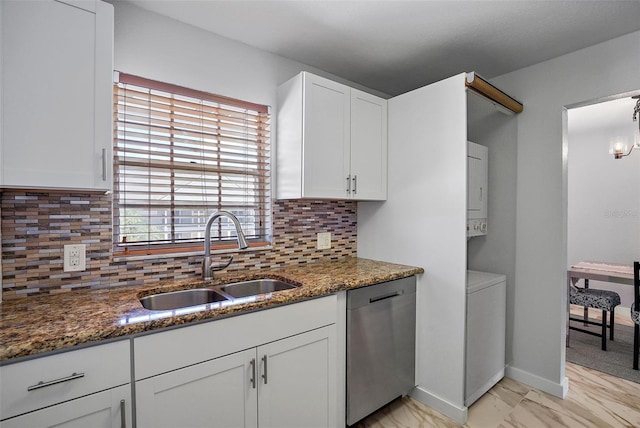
(57, 67)
(477, 180)
(325, 151)
(368, 146)
(215, 393)
(298, 381)
(107, 409)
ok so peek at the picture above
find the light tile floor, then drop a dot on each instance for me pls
(595, 399)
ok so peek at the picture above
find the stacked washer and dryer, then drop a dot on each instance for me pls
(486, 292)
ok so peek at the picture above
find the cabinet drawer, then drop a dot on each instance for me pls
(64, 376)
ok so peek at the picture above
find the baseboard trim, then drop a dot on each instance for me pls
(556, 389)
(479, 392)
(456, 413)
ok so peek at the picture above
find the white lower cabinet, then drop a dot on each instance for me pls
(287, 378)
(216, 393)
(281, 384)
(106, 409)
(272, 368)
(89, 387)
(296, 382)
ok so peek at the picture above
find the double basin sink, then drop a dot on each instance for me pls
(219, 293)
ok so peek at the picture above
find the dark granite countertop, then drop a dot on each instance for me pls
(36, 325)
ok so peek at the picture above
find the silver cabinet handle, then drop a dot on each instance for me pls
(355, 184)
(104, 164)
(123, 419)
(348, 184)
(253, 373)
(264, 373)
(43, 384)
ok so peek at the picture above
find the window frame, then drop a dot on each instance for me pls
(261, 176)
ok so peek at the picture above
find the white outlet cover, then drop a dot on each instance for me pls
(324, 241)
(75, 257)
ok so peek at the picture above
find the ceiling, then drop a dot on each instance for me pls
(395, 46)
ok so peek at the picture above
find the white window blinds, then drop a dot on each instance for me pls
(181, 155)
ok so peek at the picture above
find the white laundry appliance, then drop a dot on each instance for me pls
(486, 332)
(477, 184)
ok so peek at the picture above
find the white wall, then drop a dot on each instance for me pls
(539, 311)
(422, 223)
(604, 193)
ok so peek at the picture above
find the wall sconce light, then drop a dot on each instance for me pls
(620, 147)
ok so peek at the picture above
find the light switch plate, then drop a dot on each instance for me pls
(74, 257)
(324, 241)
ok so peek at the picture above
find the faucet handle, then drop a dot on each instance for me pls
(222, 265)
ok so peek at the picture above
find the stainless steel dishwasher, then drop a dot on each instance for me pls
(381, 331)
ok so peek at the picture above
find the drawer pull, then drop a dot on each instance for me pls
(43, 384)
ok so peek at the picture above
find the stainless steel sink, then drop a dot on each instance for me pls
(256, 286)
(181, 299)
(220, 293)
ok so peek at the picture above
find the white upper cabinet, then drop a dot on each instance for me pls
(368, 146)
(331, 141)
(57, 67)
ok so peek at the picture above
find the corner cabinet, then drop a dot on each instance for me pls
(331, 141)
(256, 370)
(57, 68)
(84, 388)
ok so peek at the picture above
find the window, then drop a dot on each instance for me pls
(179, 156)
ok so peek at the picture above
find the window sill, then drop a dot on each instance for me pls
(173, 253)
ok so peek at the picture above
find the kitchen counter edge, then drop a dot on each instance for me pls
(38, 326)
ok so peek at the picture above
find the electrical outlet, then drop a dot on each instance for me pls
(323, 241)
(74, 257)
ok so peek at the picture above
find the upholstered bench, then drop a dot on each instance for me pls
(604, 300)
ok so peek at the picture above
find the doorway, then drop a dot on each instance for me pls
(603, 219)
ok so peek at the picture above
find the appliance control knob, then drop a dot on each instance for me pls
(483, 227)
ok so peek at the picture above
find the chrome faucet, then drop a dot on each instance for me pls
(207, 267)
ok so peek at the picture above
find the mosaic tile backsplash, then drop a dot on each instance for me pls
(36, 226)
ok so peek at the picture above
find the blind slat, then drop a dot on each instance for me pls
(179, 158)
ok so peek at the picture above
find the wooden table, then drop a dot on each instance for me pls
(599, 271)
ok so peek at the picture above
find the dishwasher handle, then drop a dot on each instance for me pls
(386, 296)
(365, 296)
